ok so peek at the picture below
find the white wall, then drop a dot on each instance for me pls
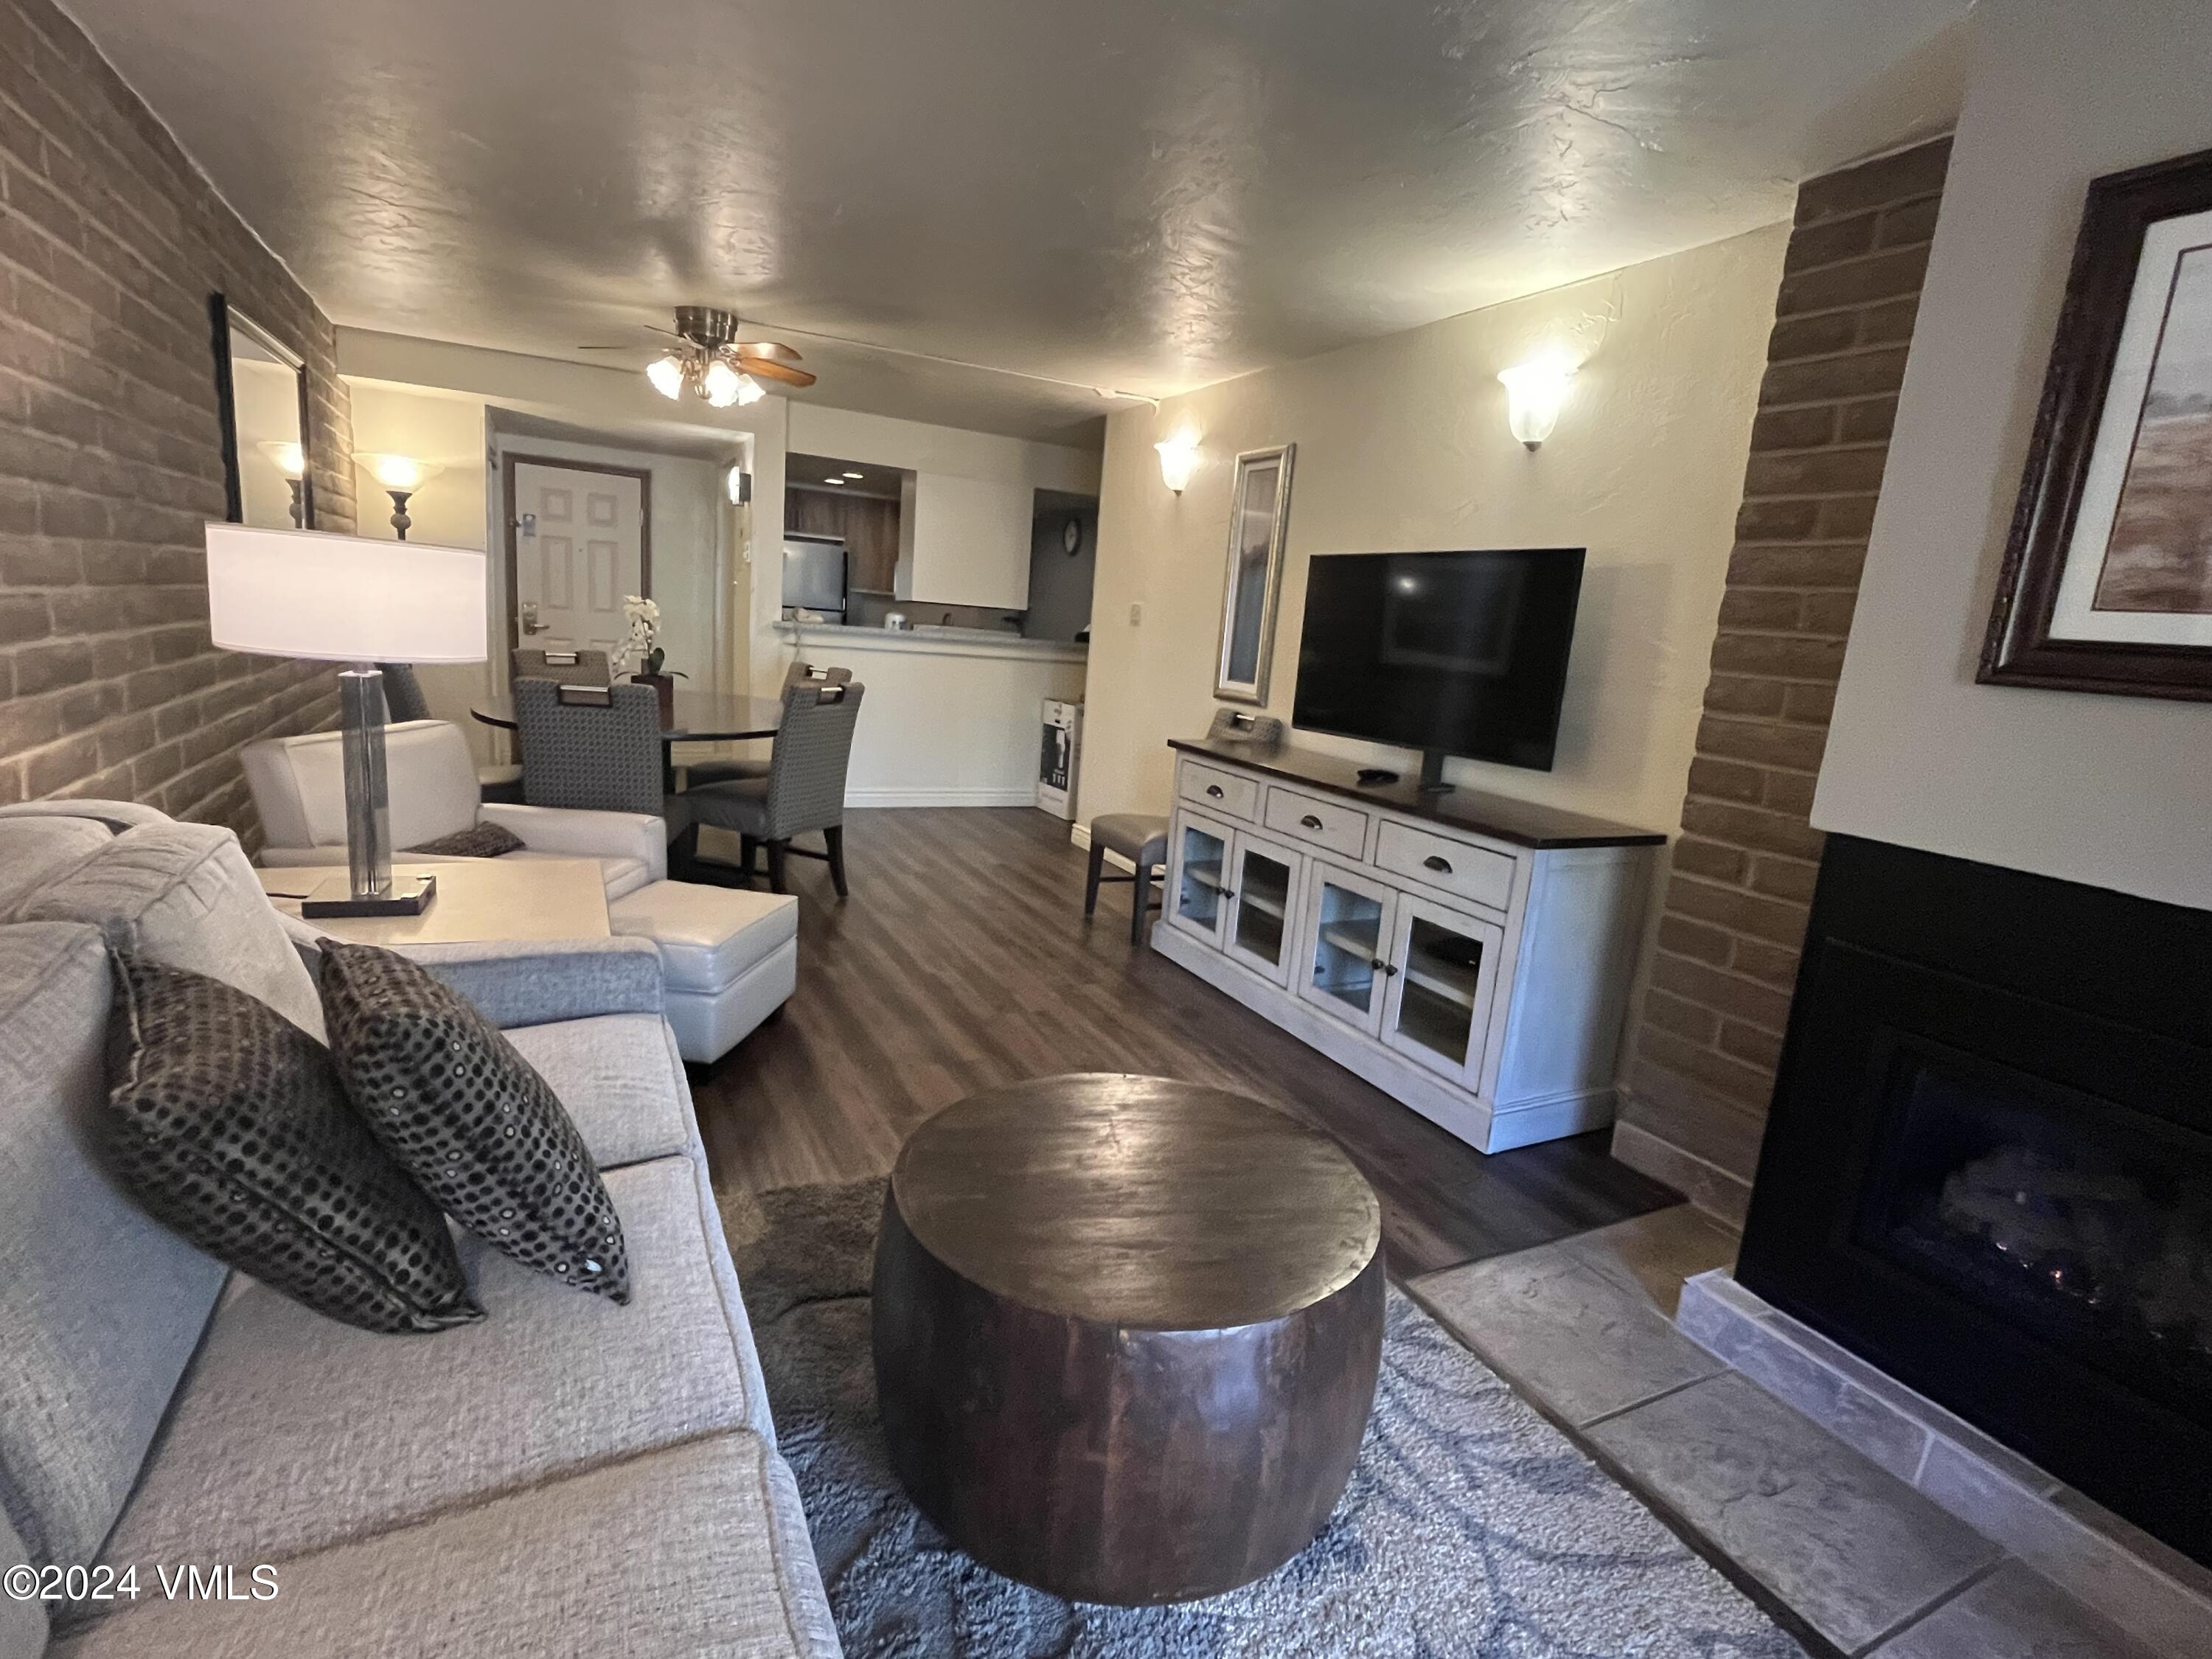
(1402, 444)
(2113, 791)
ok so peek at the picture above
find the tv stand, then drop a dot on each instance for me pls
(1469, 955)
(1433, 773)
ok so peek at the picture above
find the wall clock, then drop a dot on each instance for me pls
(1070, 538)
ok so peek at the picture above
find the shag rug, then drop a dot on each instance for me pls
(1470, 1527)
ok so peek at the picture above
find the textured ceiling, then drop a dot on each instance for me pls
(1147, 194)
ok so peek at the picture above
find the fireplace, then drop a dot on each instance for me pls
(1989, 1165)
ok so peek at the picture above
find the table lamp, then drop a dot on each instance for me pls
(346, 599)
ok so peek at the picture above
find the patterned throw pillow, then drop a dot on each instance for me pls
(227, 1123)
(469, 1118)
(479, 840)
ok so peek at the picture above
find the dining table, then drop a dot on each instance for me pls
(693, 717)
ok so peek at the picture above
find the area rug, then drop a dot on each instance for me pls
(1470, 1527)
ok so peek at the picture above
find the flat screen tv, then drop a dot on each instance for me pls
(1450, 653)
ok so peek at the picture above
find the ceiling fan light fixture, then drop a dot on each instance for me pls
(666, 374)
(719, 384)
(750, 391)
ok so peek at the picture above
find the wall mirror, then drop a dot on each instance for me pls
(1259, 514)
(261, 399)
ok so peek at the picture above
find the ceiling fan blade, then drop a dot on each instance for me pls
(769, 371)
(608, 348)
(775, 351)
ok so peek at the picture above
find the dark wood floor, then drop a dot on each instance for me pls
(963, 960)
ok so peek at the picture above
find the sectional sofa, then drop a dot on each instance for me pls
(567, 1477)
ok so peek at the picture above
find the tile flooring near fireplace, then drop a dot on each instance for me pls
(1869, 1522)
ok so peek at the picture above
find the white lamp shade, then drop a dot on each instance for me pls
(343, 598)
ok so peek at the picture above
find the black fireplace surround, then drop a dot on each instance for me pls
(1988, 1170)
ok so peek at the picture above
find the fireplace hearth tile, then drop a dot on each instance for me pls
(2160, 1608)
(1583, 1344)
(2011, 1615)
(2112, 1567)
(1657, 1253)
(1848, 1546)
(1716, 1314)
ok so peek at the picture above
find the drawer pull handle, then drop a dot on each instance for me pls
(1440, 865)
(1214, 790)
(1310, 821)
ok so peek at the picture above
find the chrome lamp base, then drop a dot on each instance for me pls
(369, 889)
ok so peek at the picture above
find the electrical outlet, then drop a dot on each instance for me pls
(1136, 615)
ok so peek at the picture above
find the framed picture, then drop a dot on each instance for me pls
(2107, 577)
(1259, 513)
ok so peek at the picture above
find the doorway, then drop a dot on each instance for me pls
(578, 540)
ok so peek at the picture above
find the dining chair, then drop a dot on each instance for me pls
(594, 747)
(700, 773)
(804, 790)
(570, 667)
(497, 781)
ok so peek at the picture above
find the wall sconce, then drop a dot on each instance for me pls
(1178, 460)
(401, 476)
(1535, 392)
(291, 460)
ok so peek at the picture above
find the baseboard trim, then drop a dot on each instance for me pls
(1023, 796)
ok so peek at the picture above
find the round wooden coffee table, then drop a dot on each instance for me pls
(1127, 1332)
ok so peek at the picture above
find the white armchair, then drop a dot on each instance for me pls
(299, 788)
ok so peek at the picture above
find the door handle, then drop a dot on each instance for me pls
(1214, 790)
(1440, 865)
(530, 622)
(1381, 966)
(1310, 821)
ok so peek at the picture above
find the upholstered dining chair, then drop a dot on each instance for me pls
(570, 667)
(594, 747)
(804, 790)
(498, 780)
(700, 773)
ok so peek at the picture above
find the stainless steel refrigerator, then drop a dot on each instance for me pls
(814, 575)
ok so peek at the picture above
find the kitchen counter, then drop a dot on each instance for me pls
(932, 640)
(952, 716)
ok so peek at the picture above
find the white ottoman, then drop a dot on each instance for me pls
(729, 958)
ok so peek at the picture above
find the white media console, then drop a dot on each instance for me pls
(1467, 955)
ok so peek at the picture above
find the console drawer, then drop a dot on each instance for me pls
(1217, 791)
(1456, 867)
(1323, 823)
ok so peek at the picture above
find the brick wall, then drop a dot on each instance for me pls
(111, 242)
(1708, 1030)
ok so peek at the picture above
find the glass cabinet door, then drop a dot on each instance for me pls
(1202, 862)
(1347, 927)
(1259, 923)
(1444, 970)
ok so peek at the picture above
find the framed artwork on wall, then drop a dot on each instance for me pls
(1259, 514)
(2108, 577)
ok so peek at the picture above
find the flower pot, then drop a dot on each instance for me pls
(665, 685)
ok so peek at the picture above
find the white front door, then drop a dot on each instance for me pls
(579, 540)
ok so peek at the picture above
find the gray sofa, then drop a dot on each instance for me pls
(567, 1477)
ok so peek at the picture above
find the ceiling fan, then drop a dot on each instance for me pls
(710, 361)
